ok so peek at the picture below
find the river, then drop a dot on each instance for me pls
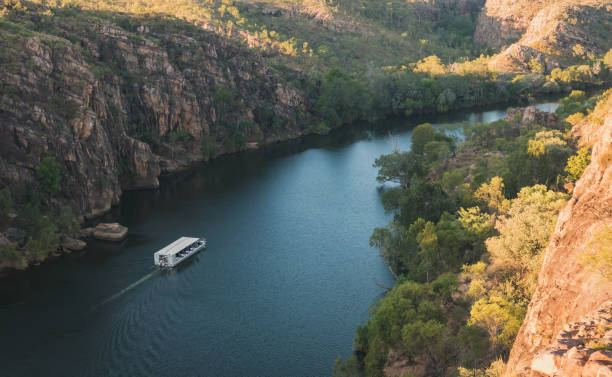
(286, 279)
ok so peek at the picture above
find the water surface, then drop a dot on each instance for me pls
(286, 279)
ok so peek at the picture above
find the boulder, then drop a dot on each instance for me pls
(87, 232)
(72, 244)
(110, 232)
(548, 361)
(574, 361)
(599, 365)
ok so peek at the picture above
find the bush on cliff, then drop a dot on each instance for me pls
(598, 256)
(10, 257)
(49, 176)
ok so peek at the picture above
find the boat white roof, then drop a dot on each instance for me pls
(177, 246)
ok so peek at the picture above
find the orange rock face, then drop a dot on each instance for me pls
(566, 290)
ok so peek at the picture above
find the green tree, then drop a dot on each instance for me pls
(428, 245)
(348, 368)
(536, 66)
(12, 258)
(432, 65)
(208, 146)
(224, 99)
(411, 320)
(421, 135)
(66, 222)
(31, 220)
(577, 163)
(437, 151)
(49, 176)
(547, 143)
(46, 241)
(499, 317)
(398, 167)
(475, 222)
(426, 200)
(524, 232)
(446, 100)
(343, 99)
(180, 136)
(6, 205)
(492, 195)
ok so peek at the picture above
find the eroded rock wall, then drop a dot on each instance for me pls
(105, 101)
(551, 33)
(566, 290)
(502, 22)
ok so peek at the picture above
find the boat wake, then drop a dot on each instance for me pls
(126, 289)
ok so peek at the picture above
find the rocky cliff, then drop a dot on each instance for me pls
(569, 296)
(118, 99)
(502, 22)
(553, 33)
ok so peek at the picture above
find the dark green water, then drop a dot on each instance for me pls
(286, 279)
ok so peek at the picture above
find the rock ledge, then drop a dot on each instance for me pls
(110, 232)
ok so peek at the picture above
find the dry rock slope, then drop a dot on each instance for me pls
(567, 291)
(551, 33)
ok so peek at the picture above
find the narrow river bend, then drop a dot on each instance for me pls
(286, 279)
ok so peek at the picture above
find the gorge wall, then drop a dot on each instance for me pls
(119, 100)
(570, 308)
(551, 33)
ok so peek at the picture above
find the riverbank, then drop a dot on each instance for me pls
(472, 218)
(285, 223)
(183, 165)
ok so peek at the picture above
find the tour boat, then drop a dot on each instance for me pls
(178, 251)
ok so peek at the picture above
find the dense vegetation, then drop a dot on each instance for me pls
(471, 222)
(429, 86)
(39, 219)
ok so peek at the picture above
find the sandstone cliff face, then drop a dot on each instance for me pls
(502, 22)
(553, 33)
(118, 105)
(566, 291)
(580, 348)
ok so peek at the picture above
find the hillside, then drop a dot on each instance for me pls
(567, 289)
(551, 34)
(502, 22)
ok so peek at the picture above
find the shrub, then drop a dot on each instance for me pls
(208, 147)
(577, 163)
(598, 256)
(66, 222)
(49, 176)
(6, 205)
(12, 258)
(524, 233)
(598, 346)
